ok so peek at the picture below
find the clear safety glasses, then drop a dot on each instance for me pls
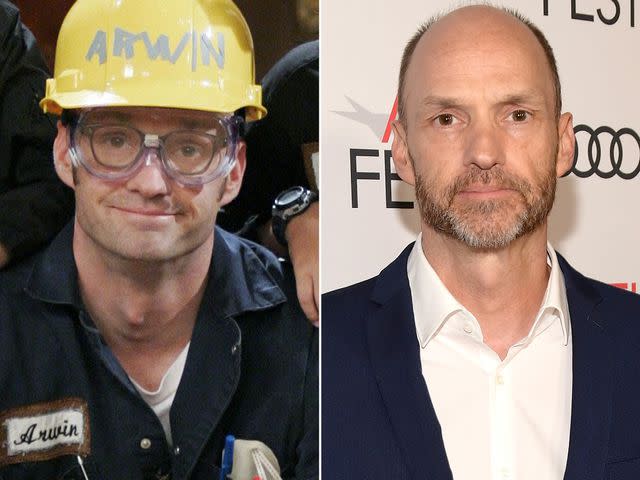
(114, 151)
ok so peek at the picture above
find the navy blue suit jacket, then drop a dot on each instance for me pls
(378, 421)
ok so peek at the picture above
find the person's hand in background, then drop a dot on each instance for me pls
(303, 237)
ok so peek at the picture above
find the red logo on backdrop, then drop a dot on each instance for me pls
(631, 286)
(392, 117)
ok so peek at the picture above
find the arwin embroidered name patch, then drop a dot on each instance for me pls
(43, 431)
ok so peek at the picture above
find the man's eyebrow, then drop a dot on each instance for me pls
(201, 121)
(182, 122)
(120, 117)
(440, 101)
(523, 97)
(196, 124)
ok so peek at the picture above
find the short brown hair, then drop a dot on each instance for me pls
(426, 26)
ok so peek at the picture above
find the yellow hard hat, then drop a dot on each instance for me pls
(190, 54)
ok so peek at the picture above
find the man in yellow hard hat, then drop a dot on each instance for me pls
(143, 335)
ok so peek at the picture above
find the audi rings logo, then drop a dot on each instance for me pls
(606, 152)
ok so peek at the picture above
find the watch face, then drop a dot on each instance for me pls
(289, 196)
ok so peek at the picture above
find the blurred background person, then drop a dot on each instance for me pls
(278, 206)
(34, 203)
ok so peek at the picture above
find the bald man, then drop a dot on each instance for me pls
(479, 353)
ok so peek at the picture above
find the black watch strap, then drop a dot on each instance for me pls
(287, 205)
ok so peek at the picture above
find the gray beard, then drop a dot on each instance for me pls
(483, 224)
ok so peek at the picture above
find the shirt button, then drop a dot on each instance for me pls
(176, 451)
(145, 444)
(500, 380)
(234, 349)
(468, 328)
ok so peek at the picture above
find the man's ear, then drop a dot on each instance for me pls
(566, 144)
(62, 156)
(233, 181)
(400, 153)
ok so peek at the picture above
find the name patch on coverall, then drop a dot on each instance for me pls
(43, 431)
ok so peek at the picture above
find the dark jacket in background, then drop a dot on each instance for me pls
(275, 145)
(34, 203)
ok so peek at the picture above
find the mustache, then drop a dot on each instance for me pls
(495, 177)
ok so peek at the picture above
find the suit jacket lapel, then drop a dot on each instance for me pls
(395, 358)
(592, 373)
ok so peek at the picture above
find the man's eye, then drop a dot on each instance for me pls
(445, 120)
(116, 141)
(520, 115)
(114, 138)
(189, 151)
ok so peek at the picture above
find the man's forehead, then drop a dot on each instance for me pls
(477, 27)
(171, 116)
(465, 20)
(474, 41)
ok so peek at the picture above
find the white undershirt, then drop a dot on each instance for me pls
(501, 419)
(161, 400)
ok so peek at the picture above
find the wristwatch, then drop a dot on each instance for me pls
(287, 205)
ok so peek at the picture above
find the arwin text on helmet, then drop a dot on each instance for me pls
(124, 44)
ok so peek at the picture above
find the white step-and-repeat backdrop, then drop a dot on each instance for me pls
(368, 215)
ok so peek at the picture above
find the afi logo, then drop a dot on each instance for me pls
(375, 153)
(392, 116)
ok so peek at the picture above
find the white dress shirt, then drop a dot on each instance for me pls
(501, 419)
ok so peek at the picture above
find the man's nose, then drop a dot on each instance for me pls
(484, 147)
(150, 180)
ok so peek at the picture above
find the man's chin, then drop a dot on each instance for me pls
(483, 240)
(486, 209)
(490, 228)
